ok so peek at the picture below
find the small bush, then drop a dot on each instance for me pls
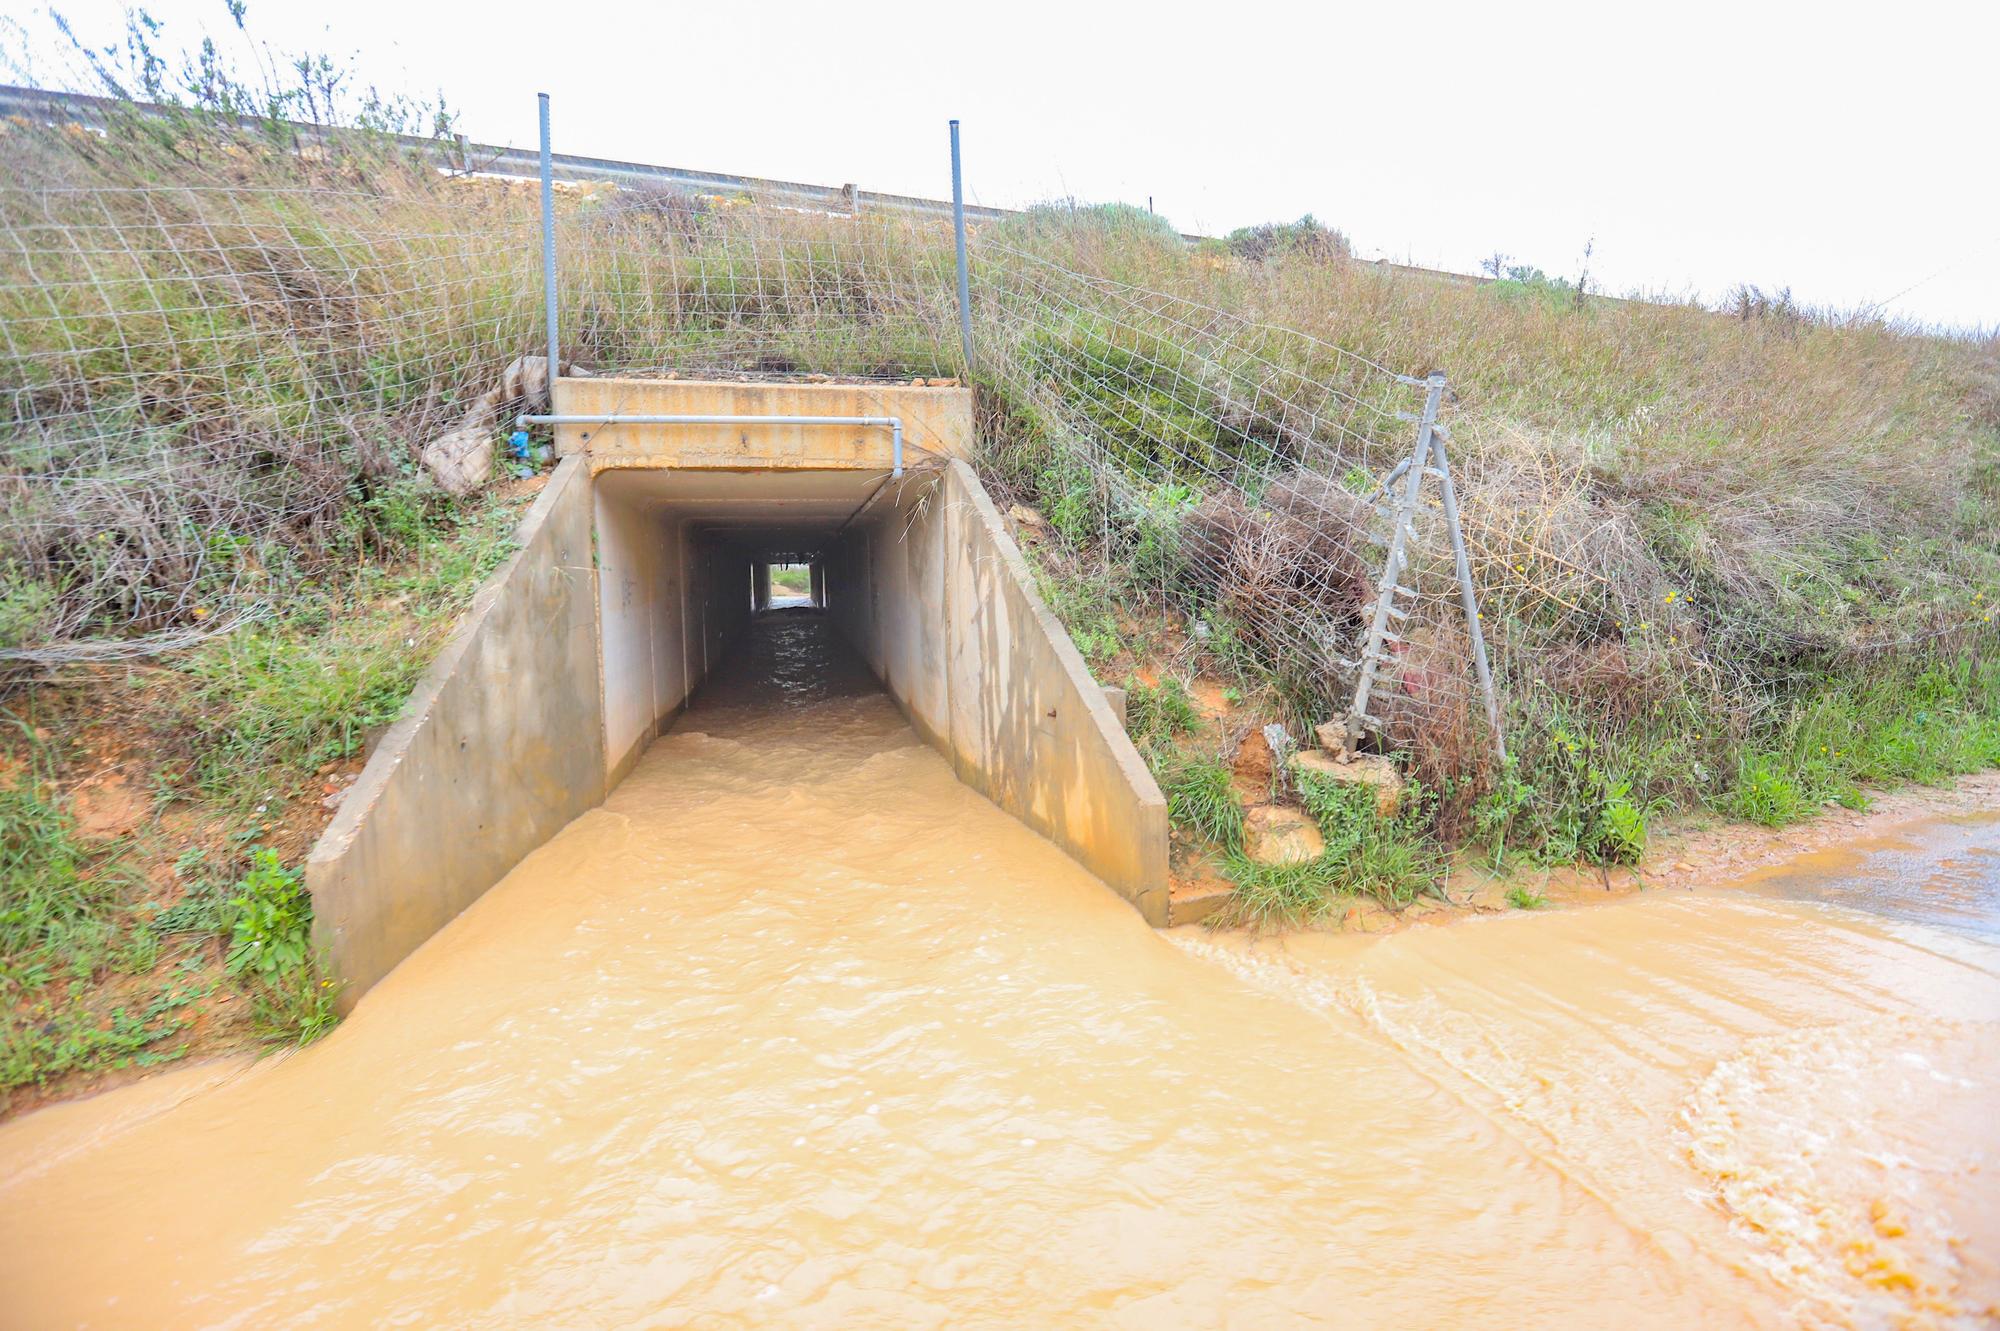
(1306, 238)
(1568, 807)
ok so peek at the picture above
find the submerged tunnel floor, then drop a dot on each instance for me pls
(796, 1029)
(789, 668)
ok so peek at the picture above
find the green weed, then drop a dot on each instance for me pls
(271, 919)
(1200, 797)
(1525, 898)
(270, 949)
(42, 1043)
(1157, 714)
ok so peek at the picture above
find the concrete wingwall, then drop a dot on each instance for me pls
(501, 744)
(935, 595)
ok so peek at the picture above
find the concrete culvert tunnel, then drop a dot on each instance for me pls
(644, 586)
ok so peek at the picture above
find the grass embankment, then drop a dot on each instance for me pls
(1737, 562)
(153, 818)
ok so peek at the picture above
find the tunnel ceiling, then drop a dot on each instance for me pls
(772, 514)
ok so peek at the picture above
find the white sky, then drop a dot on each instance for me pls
(1850, 152)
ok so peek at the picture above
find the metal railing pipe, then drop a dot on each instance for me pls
(893, 423)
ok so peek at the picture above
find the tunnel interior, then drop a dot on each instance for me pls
(687, 557)
(917, 577)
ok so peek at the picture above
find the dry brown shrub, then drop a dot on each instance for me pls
(1297, 555)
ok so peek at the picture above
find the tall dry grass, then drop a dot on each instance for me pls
(221, 358)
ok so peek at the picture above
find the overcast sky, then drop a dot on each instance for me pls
(1846, 152)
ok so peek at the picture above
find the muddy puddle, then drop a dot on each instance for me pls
(902, 1063)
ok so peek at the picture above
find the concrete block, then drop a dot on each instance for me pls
(945, 611)
(1366, 769)
(1117, 698)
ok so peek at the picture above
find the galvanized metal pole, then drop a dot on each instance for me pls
(1470, 600)
(549, 246)
(964, 277)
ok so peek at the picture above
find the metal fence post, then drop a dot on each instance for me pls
(549, 247)
(1469, 600)
(964, 277)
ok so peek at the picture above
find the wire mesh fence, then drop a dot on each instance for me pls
(220, 374)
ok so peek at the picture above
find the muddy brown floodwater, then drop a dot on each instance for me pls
(905, 1064)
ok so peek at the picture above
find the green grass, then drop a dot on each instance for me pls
(59, 911)
(1922, 727)
(64, 923)
(262, 708)
(1391, 857)
(1200, 797)
(1525, 898)
(273, 702)
(1158, 714)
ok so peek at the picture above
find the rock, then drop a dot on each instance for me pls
(1332, 734)
(1024, 515)
(526, 382)
(1276, 835)
(462, 461)
(1367, 769)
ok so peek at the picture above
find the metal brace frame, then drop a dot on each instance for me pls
(1429, 458)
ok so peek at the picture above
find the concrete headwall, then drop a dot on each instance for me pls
(935, 595)
(937, 422)
(500, 746)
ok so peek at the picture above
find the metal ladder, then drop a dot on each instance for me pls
(1427, 459)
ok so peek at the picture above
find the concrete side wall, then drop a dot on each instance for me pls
(629, 555)
(668, 608)
(936, 597)
(937, 422)
(500, 746)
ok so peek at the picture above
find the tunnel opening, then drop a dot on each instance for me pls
(792, 583)
(913, 575)
(675, 549)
